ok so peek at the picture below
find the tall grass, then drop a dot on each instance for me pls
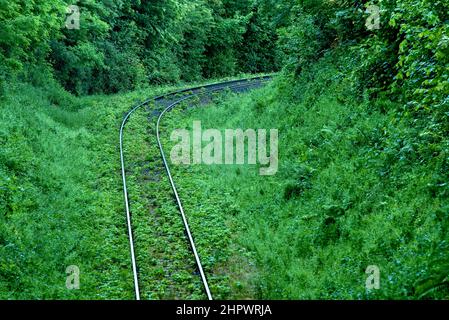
(354, 189)
(61, 201)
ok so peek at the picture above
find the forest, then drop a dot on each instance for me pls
(360, 96)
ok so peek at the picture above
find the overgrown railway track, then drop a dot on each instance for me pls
(168, 102)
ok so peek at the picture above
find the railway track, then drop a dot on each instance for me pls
(168, 102)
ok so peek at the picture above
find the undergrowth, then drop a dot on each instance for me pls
(359, 184)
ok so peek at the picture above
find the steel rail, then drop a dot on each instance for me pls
(221, 86)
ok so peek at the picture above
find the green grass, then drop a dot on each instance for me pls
(358, 185)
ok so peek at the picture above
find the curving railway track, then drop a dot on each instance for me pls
(168, 102)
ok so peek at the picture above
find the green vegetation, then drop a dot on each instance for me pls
(61, 201)
(349, 193)
(124, 44)
(363, 120)
(167, 267)
(364, 155)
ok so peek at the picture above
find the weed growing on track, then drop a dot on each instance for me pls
(166, 265)
(61, 200)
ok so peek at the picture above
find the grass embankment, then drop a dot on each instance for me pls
(60, 196)
(360, 183)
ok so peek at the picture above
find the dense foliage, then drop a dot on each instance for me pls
(124, 44)
(363, 116)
